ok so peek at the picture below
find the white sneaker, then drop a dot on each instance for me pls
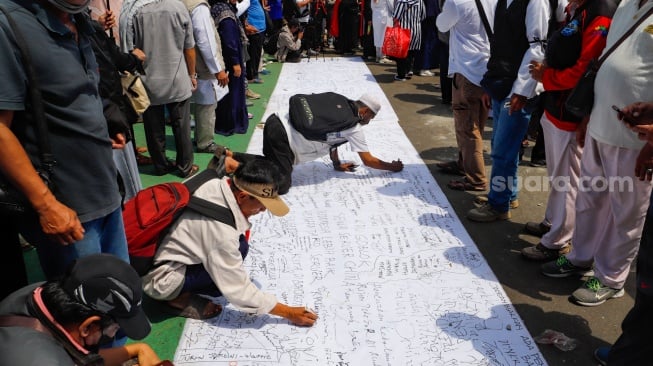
(426, 73)
(384, 60)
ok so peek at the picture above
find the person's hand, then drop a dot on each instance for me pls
(347, 166)
(250, 29)
(644, 163)
(146, 356)
(237, 71)
(193, 83)
(300, 315)
(118, 141)
(300, 35)
(517, 103)
(396, 166)
(581, 131)
(60, 222)
(107, 20)
(139, 54)
(536, 69)
(644, 132)
(486, 100)
(637, 114)
(223, 78)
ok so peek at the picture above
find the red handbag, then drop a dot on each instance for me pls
(396, 41)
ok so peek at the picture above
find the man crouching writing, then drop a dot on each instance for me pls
(201, 255)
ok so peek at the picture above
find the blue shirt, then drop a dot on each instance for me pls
(256, 15)
(85, 176)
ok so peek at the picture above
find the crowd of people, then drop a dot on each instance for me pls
(506, 58)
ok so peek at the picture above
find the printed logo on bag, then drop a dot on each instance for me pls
(649, 29)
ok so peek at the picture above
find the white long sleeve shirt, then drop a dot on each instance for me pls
(469, 44)
(195, 239)
(208, 90)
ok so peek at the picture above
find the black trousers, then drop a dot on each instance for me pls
(12, 265)
(276, 148)
(155, 134)
(254, 49)
(404, 65)
(633, 346)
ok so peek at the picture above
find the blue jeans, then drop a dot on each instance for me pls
(103, 235)
(507, 134)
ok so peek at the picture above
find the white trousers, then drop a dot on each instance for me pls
(609, 217)
(563, 167)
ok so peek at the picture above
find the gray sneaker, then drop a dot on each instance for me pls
(541, 253)
(487, 214)
(562, 267)
(594, 293)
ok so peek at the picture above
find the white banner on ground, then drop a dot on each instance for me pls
(380, 256)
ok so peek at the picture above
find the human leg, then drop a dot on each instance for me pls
(508, 131)
(470, 114)
(180, 121)
(628, 203)
(563, 168)
(276, 148)
(204, 125)
(12, 265)
(155, 136)
(631, 348)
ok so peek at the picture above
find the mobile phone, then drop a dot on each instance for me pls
(625, 119)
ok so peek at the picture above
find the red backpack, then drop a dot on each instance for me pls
(150, 213)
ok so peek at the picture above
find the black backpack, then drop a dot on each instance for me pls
(316, 115)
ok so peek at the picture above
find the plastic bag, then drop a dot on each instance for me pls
(558, 339)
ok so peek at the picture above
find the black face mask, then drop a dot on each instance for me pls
(66, 7)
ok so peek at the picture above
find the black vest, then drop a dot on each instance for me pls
(509, 42)
(564, 48)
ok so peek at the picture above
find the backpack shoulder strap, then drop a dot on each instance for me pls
(24, 322)
(212, 210)
(200, 178)
(205, 207)
(486, 22)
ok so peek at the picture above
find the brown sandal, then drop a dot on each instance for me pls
(464, 185)
(450, 167)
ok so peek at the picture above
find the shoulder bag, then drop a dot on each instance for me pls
(12, 201)
(581, 99)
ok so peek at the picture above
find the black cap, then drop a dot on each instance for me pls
(293, 23)
(109, 285)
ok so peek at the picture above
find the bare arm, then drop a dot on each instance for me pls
(57, 220)
(376, 163)
(189, 55)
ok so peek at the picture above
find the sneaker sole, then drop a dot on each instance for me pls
(617, 295)
(588, 273)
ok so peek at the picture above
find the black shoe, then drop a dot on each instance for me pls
(537, 228)
(170, 166)
(538, 163)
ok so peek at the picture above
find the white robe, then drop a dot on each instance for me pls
(381, 18)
